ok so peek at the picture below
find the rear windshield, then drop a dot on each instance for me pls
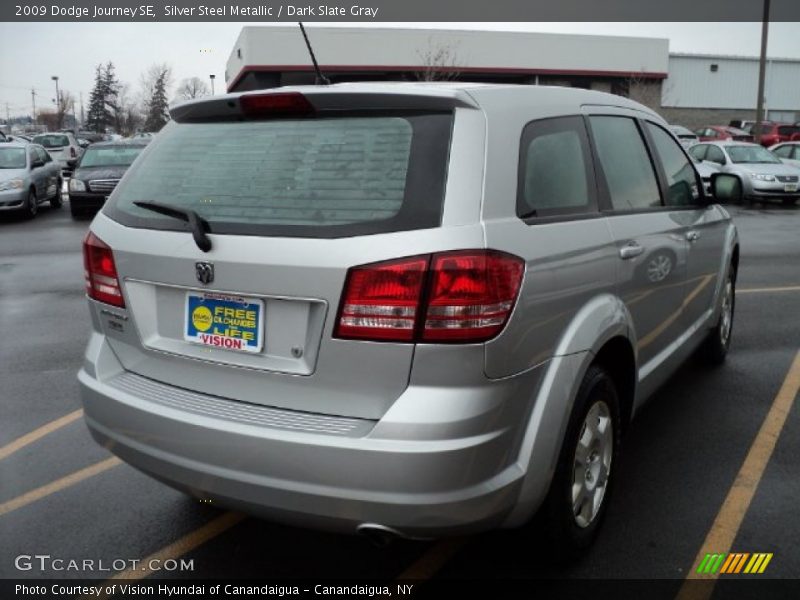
(318, 177)
(12, 158)
(51, 141)
(114, 156)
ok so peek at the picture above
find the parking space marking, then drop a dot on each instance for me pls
(180, 547)
(39, 433)
(432, 560)
(58, 485)
(730, 516)
(769, 290)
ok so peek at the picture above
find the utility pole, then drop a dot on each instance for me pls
(762, 68)
(212, 77)
(82, 119)
(8, 116)
(33, 100)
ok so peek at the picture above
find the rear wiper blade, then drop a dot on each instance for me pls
(197, 223)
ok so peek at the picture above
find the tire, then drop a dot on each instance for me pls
(716, 345)
(31, 205)
(55, 201)
(578, 498)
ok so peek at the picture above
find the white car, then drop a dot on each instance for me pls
(62, 146)
(788, 152)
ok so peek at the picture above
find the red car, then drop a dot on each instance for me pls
(775, 133)
(717, 133)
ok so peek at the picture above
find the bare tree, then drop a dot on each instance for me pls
(644, 90)
(439, 62)
(65, 102)
(192, 88)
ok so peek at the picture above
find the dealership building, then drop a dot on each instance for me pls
(692, 90)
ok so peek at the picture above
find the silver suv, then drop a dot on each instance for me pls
(401, 309)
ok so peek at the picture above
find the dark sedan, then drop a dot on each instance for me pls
(98, 172)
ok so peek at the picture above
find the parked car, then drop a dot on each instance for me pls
(743, 124)
(62, 147)
(774, 133)
(97, 173)
(715, 133)
(788, 152)
(685, 136)
(763, 176)
(359, 307)
(28, 177)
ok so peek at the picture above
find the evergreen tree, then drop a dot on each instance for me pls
(158, 106)
(95, 119)
(111, 88)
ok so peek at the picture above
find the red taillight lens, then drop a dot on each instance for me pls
(72, 152)
(100, 272)
(461, 296)
(472, 295)
(280, 104)
(381, 301)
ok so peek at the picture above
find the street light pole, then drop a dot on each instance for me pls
(58, 102)
(212, 77)
(762, 68)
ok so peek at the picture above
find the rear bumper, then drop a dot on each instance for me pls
(315, 471)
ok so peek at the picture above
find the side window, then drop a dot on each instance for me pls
(716, 155)
(626, 164)
(32, 156)
(43, 155)
(699, 151)
(555, 175)
(682, 186)
(783, 151)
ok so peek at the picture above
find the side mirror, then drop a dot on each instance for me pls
(726, 187)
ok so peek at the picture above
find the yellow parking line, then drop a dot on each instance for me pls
(730, 516)
(769, 290)
(39, 433)
(58, 485)
(431, 562)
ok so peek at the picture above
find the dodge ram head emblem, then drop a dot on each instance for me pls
(204, 272)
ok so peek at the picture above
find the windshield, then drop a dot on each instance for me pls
(751, 154)
(115, 156)
(51, 141)
(322, 177)
(12, 158)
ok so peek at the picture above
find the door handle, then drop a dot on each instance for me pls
(692, 236)
(630, 250)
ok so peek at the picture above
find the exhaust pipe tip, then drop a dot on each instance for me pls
(379, 535)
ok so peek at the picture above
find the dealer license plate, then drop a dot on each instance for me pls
(224, 321)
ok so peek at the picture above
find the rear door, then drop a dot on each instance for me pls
(650, 237)
(292, 204)
(706, 224)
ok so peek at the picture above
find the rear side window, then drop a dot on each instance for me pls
(682, 186)
(716, 155)
(555, 176)
(699, 152)
(629, 174)
(319, 177)
(783, 151)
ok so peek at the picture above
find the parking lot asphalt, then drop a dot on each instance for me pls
(62, 496)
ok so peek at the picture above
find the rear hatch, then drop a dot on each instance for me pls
(293, 195)
(56, 144)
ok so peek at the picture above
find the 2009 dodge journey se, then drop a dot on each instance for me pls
(410, 309)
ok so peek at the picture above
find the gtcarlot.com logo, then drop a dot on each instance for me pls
(46, 562)
(734, 563)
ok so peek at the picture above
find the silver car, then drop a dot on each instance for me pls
(63, 147)
(400, 309)
(788, 152)
(763, 176)
(28, 177)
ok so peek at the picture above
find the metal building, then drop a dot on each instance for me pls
(272, 56)
(705, 89)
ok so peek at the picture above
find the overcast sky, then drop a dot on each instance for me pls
(30, 53)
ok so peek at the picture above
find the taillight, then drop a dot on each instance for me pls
(381, 301)
(460, 296)
(100, 272)
(72, 152)
(471, 295)
(279, 104)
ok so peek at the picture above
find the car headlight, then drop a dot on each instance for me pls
(11, 184)
(762, 176)
(76, 185)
